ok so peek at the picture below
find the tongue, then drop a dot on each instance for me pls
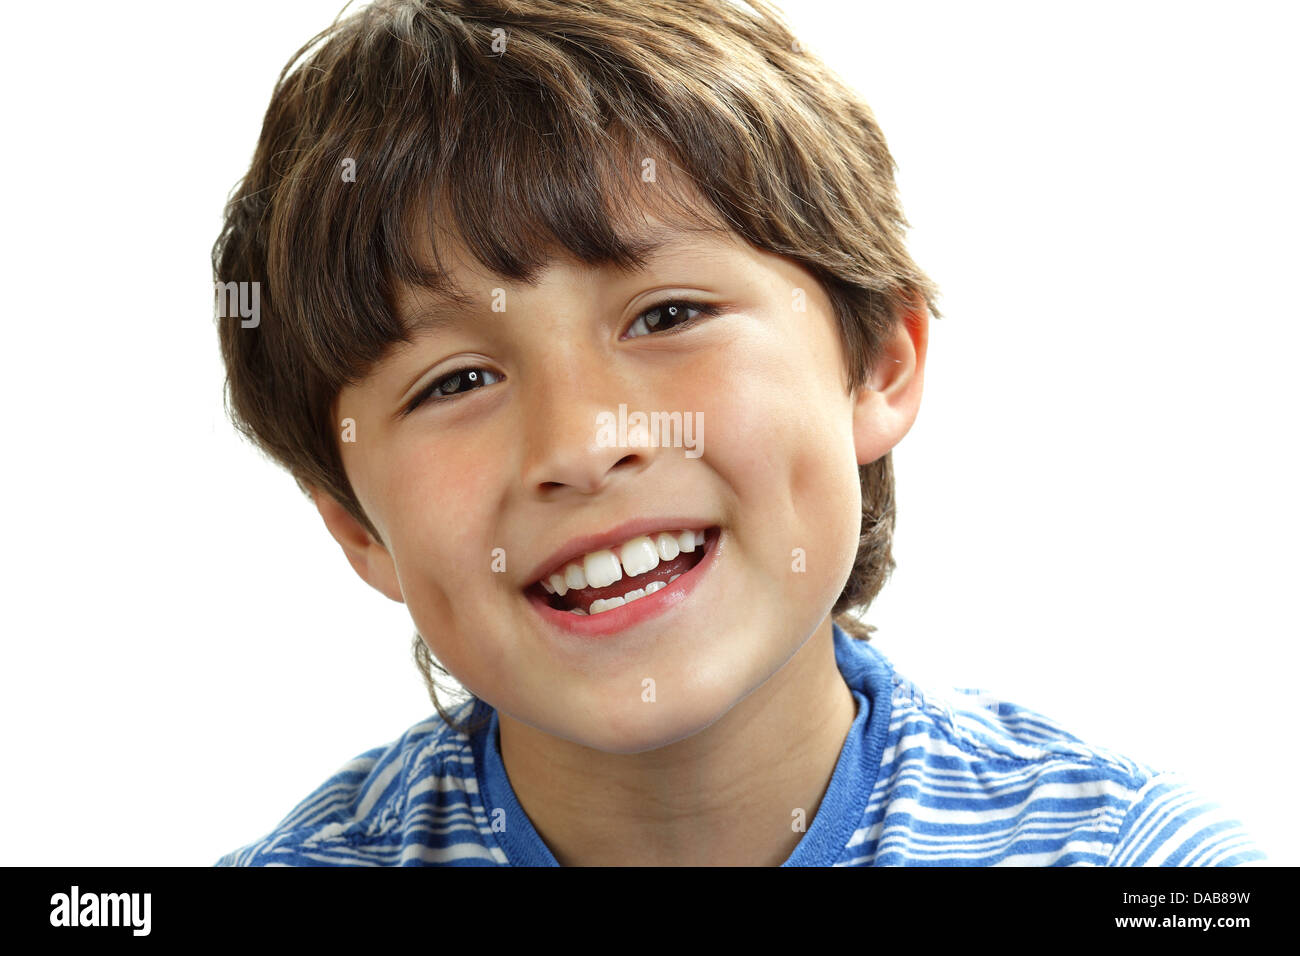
(583, 597)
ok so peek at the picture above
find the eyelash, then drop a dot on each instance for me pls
(701, 309)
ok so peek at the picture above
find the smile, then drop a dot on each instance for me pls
(611, 577)
(612, 588)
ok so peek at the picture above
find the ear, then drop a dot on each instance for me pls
(885, 407)
(368, 557)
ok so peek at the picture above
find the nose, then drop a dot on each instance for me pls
(571, 395)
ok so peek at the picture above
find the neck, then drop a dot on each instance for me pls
(726, 796)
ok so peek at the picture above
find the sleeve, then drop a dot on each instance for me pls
(325, 827)
(322, 847)
(1171, 824)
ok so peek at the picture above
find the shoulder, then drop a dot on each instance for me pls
(1170, 823)
(392, 805)
(969, 779)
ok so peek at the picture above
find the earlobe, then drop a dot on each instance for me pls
(886, 405)
(368, 557)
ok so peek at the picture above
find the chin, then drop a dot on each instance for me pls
(649, 726)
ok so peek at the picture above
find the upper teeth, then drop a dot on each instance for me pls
(600, 569)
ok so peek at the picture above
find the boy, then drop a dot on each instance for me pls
(589, 329)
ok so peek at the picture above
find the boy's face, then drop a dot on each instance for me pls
(518, 464)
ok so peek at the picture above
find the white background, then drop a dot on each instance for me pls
(1096, 517)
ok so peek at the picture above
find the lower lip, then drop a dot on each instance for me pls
(642, 609)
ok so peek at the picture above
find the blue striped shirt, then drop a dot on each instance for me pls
(921, 780)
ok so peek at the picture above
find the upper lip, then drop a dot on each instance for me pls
(583, 544)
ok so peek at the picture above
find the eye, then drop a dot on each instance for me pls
(452, 384)
(670, 315)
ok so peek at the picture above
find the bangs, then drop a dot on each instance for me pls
(553, 149)
(514, 204)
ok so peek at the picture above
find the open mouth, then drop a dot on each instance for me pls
(610, 578)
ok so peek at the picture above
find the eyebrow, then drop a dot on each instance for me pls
(445, 312)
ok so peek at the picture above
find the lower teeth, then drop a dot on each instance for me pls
(608, 604)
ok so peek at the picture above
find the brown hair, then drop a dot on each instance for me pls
(514, 121)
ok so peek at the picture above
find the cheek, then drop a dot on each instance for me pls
(772, 409)
(437, 509)
(434, 506)
(778, 430)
